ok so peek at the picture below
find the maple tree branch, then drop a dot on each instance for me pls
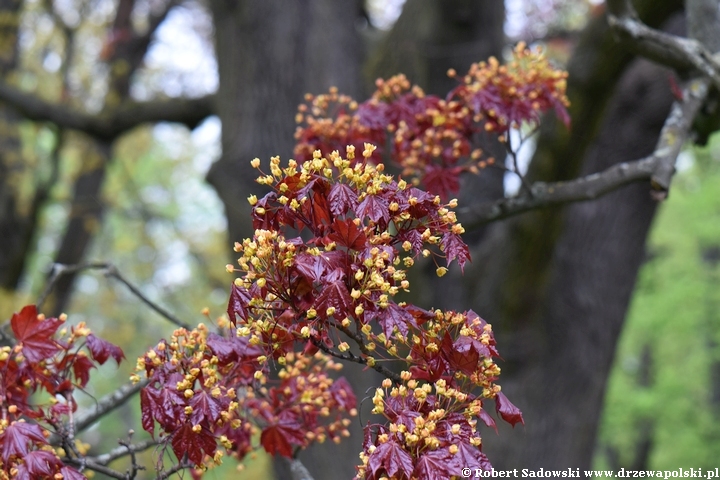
(112, 271)
(658, 168)
(107, 404)
(351, 357)
(176, 468)
(124, 450)
(110, 123)
(85, 463)
(664, 48)
(58, 270)
(298, 471)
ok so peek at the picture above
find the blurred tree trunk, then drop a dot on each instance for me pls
(556, 284)
(270, 53)
(18, 215)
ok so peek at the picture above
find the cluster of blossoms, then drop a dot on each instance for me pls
(50, 365)
(211, 394)
(333, 292)
(431, 137)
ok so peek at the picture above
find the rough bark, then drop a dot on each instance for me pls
(270, 54)
(556, 284)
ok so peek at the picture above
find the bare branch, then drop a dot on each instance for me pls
(88, 464)
(107, 404)
(125, 450)
(110, 270)
(676, 52)
(297, 469)
(658, 168)
(109, 124)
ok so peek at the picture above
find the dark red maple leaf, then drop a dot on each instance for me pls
(455, 248)
(193, 444)
(489, 421)
(274, 442)
(41, 464)
(342, 199)
(509, 412)
(81, 366)
(347, 234)
(34, 334)
(442, 181)
(395, 316)
(312, 266)
(238, 304)
(69, 473)
(205, 406)
(146, 411)
(18, 437)
(278, 437)
(342, 392)
(101, 350)
(335, 294)
(467, 456)
(375, 208)
(391, 458)
(433, 465)
(459, 357)
(233, 349)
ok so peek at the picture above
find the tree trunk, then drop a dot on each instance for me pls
(270, 53)
(556, 284)
(18, 215)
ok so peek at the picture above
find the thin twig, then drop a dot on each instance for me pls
(85, 463)
(351, 357)
(176, 468)
(107, 404)
(58, 270)
(516, 167)
(124, 450)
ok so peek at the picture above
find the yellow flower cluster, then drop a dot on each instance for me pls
(528, 79)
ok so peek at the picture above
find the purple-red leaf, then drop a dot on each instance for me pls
(335, 295)
(195, 445)
(81, 368)
(455, 248)
(277, 438)
(347, 234)
(391, 458)
(395, 316)
(341, 199)
(101, 350)
(238, 303)
(69, 473)
(35, 334)
(17, 439)
(375, 208)
(509, 412)
(433, 465)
